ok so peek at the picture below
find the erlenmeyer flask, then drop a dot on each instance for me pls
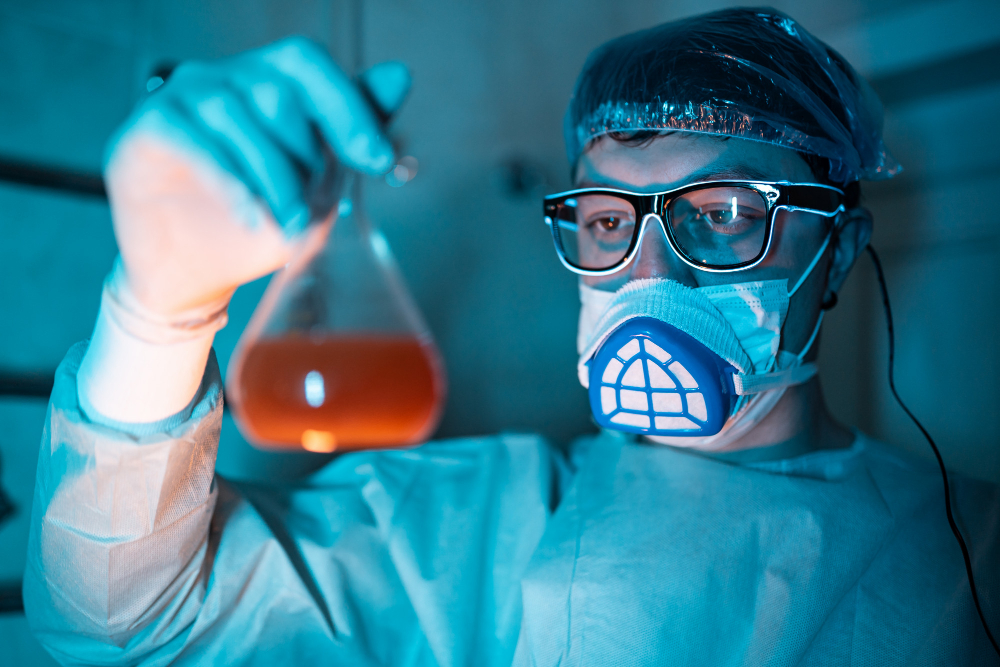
(337, 355)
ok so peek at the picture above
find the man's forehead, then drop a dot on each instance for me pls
(677, 159)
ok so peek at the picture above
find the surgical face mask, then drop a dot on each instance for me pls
(695, 367)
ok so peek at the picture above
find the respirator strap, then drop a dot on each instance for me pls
(755, 384)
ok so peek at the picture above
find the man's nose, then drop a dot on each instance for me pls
(656, 259)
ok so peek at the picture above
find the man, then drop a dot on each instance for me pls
(721, 517)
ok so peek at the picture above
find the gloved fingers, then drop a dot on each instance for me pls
(263, 165)
(278, 108)
(171, 123)
(388, 83)
(333, 103)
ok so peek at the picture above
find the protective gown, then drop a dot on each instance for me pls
(494, 551)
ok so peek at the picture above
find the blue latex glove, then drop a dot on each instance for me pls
(210, 179)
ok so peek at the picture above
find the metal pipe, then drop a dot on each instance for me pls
(52, 178)
(10, 598)
(30, 385)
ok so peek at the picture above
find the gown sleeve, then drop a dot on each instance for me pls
(140, 554)
(120, 548)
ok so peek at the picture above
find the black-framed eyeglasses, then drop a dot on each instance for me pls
(716, 226)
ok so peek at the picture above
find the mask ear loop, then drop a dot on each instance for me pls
(798, 284)
(812, 264)
(812, 338)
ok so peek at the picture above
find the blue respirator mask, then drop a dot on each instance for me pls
(636, 385)
(694, 367)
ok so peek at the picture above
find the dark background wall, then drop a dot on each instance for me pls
(484, 121)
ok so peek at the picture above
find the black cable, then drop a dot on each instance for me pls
(937, 454)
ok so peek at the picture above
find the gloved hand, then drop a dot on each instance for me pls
(211, 179)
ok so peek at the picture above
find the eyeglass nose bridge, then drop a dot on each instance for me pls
(641, 235)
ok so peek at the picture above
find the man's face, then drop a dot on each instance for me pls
(674, 160)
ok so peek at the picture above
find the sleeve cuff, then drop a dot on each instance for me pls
(206, 399)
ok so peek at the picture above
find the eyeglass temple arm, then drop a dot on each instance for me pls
(811, 198)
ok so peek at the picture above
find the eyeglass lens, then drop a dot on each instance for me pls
(718, 226)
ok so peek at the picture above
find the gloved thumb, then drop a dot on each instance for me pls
(388, 84)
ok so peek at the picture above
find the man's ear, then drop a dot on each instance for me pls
(850, 241)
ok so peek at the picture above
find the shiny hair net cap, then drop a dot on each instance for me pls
(751, 73)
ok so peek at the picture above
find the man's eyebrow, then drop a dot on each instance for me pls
(587, 183)
(734, 173)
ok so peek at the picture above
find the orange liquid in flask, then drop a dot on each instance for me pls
(340, 391)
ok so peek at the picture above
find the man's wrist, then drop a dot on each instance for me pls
(140, 367)
(121, 305)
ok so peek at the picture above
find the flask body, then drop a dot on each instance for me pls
(337, 356)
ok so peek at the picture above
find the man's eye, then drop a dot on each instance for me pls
(609, 223)
(718, 217)
(723, 217)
